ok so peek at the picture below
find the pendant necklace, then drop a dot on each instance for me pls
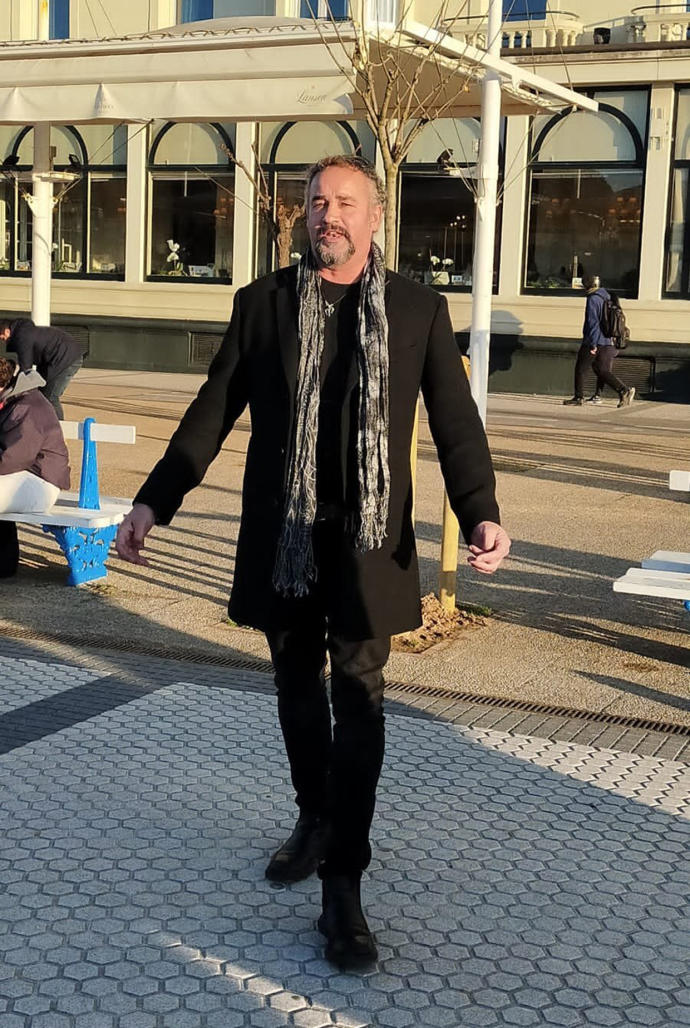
(328, 306)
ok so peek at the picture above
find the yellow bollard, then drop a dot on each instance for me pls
(450, 544)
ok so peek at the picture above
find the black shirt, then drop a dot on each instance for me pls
(336, 442)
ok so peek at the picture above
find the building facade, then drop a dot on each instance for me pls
(160, 224)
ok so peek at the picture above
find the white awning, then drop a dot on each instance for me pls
(269, 69)
(191, 100)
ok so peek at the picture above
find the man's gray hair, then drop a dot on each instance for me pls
(347, 161)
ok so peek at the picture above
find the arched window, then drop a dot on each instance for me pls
(586, 195)
(437, 211)
(90, 212)
(192, 194)
(287, 150)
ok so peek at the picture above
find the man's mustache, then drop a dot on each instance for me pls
(340, 231)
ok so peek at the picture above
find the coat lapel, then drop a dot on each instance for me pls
(288, 343)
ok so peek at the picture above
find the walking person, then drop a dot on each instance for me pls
(34, 465)
(597, 352)
(330, 356)
(56, 355)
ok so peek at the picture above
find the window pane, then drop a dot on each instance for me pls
(192, 225)
(5, 225)
(68, 231)
(436, 230)
(677, 260)
(196, 10)
(289, 194)
(107, 224)
(459, 135)
(192, 143)
(524, 10)
(59, 19)
(608, 139)
(581, 222)
(683, 126)
(202, 10)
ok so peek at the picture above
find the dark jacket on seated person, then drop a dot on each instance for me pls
(51, 349)
(30, 435)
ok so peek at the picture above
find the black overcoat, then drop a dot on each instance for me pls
(377, 592)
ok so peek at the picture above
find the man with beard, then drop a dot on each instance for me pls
(330, 356)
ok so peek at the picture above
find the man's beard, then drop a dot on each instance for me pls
(328, 257)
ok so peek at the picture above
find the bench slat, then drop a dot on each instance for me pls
(679, 480)
(654, 583)
(668, 560)
(68, 512)
(100, 433)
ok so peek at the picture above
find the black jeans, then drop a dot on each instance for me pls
(335, 773)
(601, 364)
(55, 387)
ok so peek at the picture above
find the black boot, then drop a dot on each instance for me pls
(300, 856)
(349, 943)
(9, 549)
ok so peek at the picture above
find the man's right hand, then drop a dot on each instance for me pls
(132, 532)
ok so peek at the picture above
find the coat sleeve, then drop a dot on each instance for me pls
(457, 429)
(21, 343)
(592, 330)
(21, 440)
(203, 429)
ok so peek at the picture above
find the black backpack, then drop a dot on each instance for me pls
(613, 324)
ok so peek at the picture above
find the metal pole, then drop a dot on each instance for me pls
(42, 231)
(487, 184)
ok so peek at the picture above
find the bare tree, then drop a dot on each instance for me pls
(279, 217)
(401, 84)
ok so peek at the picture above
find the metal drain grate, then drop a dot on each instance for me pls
(431, 692)
(439, 692)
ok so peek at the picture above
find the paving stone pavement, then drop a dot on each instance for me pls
(516, 881)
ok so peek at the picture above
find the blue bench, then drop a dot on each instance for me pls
(84, 524)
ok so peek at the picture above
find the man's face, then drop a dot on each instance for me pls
(342, 217)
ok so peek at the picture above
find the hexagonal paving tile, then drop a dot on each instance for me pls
(515, 881)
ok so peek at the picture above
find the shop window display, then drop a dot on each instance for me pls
(585, 216)
(89, 211)
(437, 205)
(192, 191)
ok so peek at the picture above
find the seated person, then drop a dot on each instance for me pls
(34, 464)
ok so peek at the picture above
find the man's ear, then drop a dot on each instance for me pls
(376, 215)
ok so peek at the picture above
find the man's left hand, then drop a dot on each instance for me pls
(489, 544)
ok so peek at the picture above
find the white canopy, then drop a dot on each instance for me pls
(271, 68)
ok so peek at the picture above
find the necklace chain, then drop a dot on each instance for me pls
(330, 306)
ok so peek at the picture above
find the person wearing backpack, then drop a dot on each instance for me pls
(598, 351)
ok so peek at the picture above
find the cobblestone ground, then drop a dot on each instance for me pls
(516, 881)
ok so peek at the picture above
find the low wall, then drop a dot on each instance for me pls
(518, 364)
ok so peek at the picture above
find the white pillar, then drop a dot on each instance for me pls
(43, 19)
(487, 180)
(135, 238)
(513, 207)
(244, 228)
(655, 201)
(42, 233)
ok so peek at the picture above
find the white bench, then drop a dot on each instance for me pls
(83, 523)
(667, 572)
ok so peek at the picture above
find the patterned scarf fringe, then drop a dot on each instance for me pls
(295, 568)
